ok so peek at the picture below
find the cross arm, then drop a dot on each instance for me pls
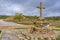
(40, 7)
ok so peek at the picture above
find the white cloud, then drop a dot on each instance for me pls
(10, 9)
(15, 8)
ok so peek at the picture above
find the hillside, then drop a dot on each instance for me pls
(30, 19)
(57, 18)
(3, 16)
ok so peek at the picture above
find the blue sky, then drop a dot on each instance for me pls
(28, 7)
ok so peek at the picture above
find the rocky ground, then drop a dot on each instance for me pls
(21, 34)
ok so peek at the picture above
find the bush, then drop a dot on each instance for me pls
(19, 16)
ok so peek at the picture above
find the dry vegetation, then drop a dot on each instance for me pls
(28, 20)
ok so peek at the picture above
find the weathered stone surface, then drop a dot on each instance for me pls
(21, 34)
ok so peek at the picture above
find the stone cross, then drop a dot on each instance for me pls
(40, 7)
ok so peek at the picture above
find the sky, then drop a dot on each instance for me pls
(28, 7)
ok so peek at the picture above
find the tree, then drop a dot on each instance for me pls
(19, 16)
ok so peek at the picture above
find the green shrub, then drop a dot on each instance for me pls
(0, 31)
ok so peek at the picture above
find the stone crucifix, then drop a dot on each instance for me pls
(41, 7)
